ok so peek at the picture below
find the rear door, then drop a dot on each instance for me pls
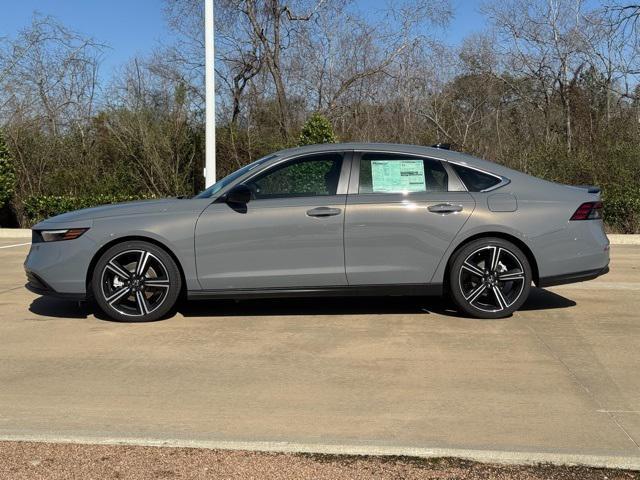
(403, 212)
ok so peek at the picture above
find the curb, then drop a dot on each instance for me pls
(617, 239)
(482, 456)
(15, 233)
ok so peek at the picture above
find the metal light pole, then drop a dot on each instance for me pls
(210, 96)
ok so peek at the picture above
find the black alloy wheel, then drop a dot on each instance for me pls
(136, 282)
(490, 278)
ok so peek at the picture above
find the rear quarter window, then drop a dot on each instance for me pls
(474, 180)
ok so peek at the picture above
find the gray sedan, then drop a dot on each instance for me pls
(330, 220)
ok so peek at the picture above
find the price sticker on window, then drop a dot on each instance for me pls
(398, 176)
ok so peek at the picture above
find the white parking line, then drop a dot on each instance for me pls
(16, 245)
(618, 411)
(599, 286)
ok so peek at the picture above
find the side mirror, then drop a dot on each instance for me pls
(240, 194)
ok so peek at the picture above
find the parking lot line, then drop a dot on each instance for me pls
(11, 289)
(599, 285)
(16, 245)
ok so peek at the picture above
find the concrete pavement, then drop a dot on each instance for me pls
(560, 379)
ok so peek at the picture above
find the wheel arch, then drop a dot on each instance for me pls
(132, 238)
(504, 236)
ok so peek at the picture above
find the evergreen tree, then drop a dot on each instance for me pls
(7, 173)
(317, 129)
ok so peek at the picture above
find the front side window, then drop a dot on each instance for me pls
(311, 176)
(392, 173)
(220, 184)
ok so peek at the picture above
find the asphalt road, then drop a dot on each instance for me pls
(562, 376)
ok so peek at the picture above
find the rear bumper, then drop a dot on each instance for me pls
(572, 277)
(38, 286)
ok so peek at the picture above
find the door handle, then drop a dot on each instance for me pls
(444, 208)
(324, 212)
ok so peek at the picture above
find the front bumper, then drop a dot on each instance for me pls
(60, 268)
(38, 286)
(572, 277)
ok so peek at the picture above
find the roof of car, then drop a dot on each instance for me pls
(360, 146)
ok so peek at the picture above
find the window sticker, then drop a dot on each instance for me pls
(392, 176)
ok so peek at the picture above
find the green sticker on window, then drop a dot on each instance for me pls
(397, 176)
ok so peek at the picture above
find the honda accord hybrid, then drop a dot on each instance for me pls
(330, 220)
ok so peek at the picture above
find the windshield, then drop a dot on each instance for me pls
(220, 184)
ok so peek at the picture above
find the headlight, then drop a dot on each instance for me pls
(58, 235)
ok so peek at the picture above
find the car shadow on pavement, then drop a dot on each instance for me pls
(60, 308)
(314, 306)
(539, 299)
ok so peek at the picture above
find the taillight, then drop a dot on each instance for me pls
(588, 211)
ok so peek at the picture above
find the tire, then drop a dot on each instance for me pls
(489, 278)
(136, 281)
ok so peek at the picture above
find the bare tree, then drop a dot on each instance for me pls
(49, 87)
(545, 40)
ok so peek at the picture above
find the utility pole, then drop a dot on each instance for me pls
(210, 96)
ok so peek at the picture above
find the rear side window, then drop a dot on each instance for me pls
(474, 180)
(391, 173)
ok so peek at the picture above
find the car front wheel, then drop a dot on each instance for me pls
(489, 278)
(136, 282)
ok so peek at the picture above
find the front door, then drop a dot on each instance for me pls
(289, 236)
(401, 218)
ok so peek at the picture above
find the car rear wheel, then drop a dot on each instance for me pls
(136, 282)
(490, 278)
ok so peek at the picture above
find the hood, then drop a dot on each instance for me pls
(86, 215)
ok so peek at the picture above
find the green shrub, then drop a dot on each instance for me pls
(622, 209)
(40, 207)
(7, 174)
(317, 129)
